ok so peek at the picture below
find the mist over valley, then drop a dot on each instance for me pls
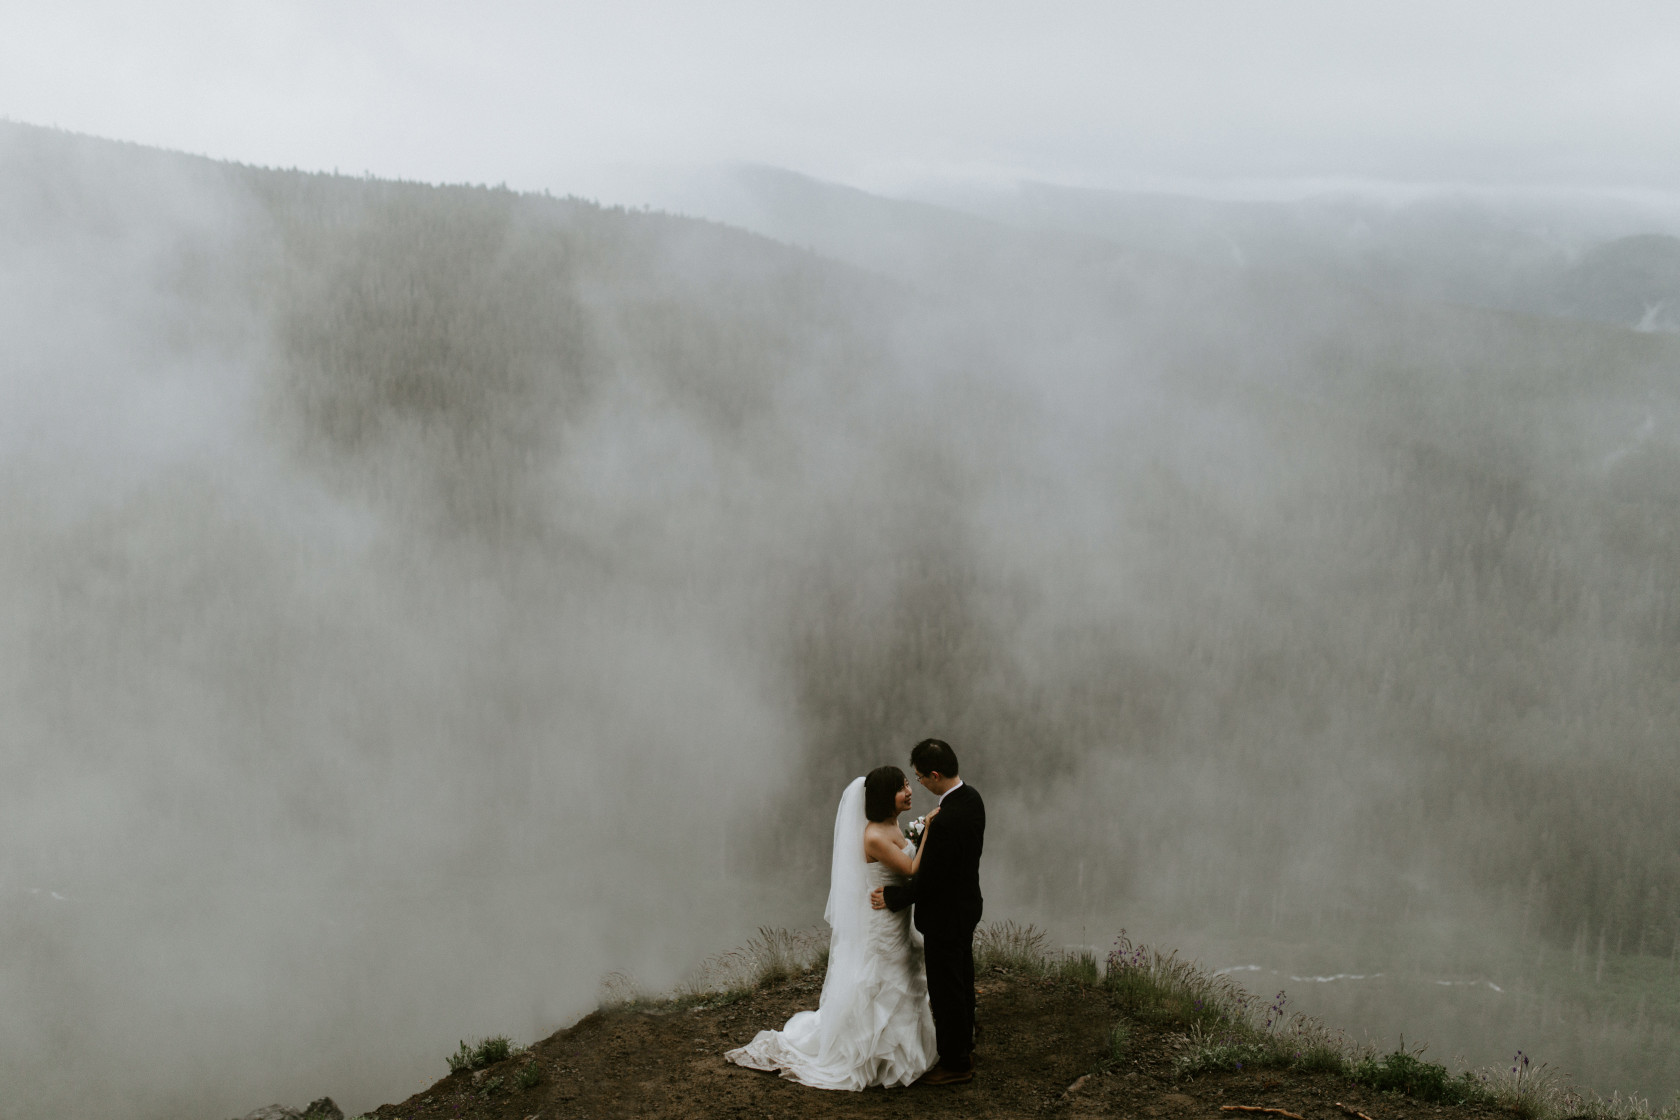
(424, 601)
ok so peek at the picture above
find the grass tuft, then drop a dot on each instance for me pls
(487, 1052)
(1007, 947)
(1532, 1092)
(778, 955)
(1231, 1049)
(1162, 988)
(1119, 1041)
(1226, 1028)
(1631, 1107)
(773, 957)
(621, 989)
(1078, 968)
(529, 1076)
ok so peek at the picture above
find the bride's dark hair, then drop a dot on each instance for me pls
(880, 792)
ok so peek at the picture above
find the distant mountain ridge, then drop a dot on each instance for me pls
(1547, 258)
(1550, 258)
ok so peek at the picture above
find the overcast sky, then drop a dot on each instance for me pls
(550, 95)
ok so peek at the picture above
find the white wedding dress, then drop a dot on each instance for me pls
(873, 1024)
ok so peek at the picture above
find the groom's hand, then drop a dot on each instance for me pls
(878, 898)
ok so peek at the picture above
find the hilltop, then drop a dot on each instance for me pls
(1148, 1035)
(1047, 1047)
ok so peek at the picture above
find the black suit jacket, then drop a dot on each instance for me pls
(946, 888)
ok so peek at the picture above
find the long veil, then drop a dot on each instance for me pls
(847, 913)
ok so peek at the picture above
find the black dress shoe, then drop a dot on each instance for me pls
(940, 1075)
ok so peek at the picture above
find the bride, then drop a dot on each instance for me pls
(872, 1025)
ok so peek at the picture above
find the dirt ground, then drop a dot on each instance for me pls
(1041, 1052)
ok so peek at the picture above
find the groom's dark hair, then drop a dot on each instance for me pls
(880, 792)
(932, 755)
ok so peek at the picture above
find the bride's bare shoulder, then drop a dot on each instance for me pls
(880, 835)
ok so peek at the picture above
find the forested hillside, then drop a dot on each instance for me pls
(404, 575)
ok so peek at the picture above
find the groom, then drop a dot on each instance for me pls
(946, 893)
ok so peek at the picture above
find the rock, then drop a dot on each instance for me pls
(323, 1109)
(1075, 1087)
(273, 1112)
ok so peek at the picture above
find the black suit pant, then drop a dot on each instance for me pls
(950, 978)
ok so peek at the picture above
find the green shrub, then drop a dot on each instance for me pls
(1321, 1059)
(1408, 1075)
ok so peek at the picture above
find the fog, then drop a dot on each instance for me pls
(425, 601)
(540, 95)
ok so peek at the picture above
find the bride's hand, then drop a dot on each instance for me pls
(927, 820)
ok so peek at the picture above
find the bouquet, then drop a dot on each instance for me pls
(915, 829)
